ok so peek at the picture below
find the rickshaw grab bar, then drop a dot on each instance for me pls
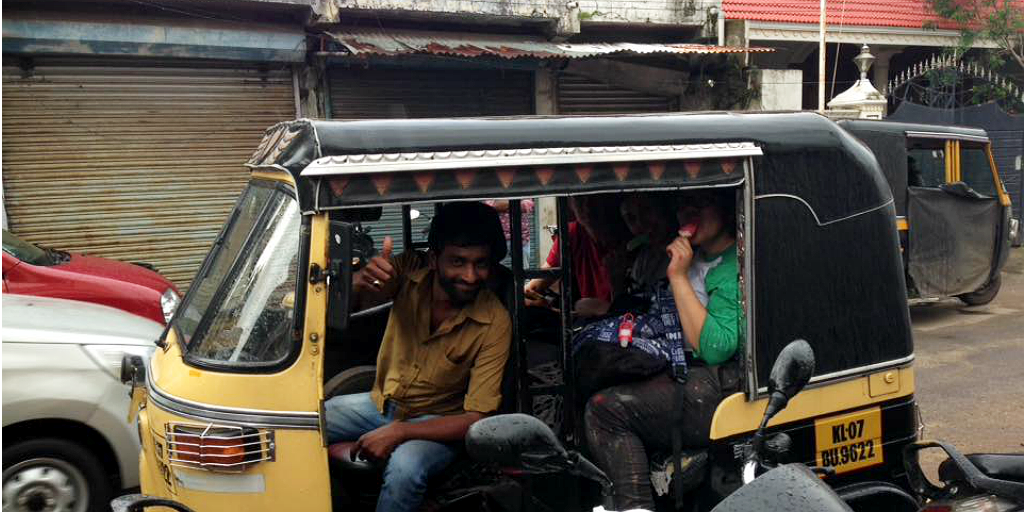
(425, 161)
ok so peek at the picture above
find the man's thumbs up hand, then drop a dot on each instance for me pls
(379, 272)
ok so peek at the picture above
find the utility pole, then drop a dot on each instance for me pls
(821, 59)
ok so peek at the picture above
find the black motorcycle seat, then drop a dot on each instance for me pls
(1003, 466)
(341, 454)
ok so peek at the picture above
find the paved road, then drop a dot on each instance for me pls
(970, 368)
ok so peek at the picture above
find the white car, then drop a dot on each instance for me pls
(67, 444)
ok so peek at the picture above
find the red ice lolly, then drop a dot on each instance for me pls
(689, 228)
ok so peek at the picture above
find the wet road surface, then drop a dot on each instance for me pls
(970, 368)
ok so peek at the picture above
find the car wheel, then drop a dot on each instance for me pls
(983, 295)
(53, 475)
(358, 379)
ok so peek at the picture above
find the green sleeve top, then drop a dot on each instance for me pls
(719, 338)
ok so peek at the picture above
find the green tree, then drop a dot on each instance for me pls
(999, 21)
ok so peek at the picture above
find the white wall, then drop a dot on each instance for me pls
(781, 89)
(545, 209)
(568, 14)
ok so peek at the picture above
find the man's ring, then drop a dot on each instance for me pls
(376, 282)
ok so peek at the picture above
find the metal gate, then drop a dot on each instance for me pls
(137, 160)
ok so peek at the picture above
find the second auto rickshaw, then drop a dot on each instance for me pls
(952, 210)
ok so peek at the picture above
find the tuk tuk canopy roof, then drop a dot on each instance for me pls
(339, 164)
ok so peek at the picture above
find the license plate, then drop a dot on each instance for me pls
(849, 441)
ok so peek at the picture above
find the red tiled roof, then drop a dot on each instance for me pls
(871, 13)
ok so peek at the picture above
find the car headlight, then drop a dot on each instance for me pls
(168, 303)
(108, 357)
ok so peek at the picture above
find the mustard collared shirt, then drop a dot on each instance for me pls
(455, 369)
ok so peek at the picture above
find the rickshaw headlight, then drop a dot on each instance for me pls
(168, 303)
(218, 447)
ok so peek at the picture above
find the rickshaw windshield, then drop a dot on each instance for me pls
(239, 311)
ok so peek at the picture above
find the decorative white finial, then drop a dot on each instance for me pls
(864, 61)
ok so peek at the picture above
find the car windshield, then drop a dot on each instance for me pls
(239, 310)
(27, 252)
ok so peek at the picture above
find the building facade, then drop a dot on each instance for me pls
(126, 123)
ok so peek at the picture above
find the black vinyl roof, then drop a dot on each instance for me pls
(414, 135)
(806, 155)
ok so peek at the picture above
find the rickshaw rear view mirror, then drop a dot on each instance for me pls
(339, 270)
(792, 370)
(517, 441)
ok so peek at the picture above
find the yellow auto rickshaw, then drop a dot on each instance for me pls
(230, 407)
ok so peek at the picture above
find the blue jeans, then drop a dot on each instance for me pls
(410, 465)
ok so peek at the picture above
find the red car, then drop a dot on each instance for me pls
(32, 270)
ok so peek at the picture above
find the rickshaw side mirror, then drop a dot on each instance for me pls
(517, 441)
(339, 270)
(791, 371)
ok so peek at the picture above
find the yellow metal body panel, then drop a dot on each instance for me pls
(735, 415)
(902, 224)
(884, 383)
(239, 390)
(316, 302)
(258, 391)
(957, 175)
(281, 176)
(297, 478)
(1004, 198)
(950, 161)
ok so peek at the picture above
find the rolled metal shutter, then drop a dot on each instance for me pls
(418, 93)
(136, 160)
(408, 94)
(578, 95)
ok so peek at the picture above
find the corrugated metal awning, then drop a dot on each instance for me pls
(403, 42)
